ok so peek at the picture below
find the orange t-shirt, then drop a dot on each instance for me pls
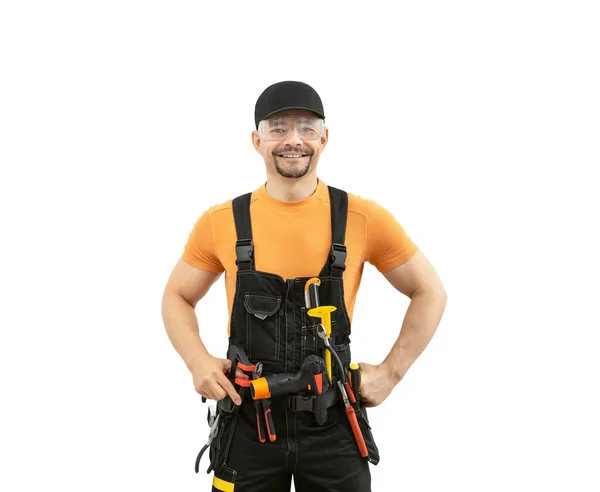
(293, 239)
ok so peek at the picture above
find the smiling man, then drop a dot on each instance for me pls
(287, 248)
(292, 155)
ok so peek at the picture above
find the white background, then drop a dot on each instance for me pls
(475, 123)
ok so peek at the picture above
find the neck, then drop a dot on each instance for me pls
(291, 190)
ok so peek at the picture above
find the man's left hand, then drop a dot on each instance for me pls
(377, 382)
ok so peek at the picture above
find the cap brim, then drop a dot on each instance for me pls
(279, 110)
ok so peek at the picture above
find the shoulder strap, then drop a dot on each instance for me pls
(244, 247)
(336, 264)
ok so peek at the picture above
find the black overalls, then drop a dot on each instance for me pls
(269, 321)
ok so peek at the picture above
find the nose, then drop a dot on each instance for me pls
(293, 138)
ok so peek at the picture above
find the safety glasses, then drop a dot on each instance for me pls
(280, 128)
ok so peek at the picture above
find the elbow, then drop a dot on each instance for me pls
(171, 301)
(434, 293)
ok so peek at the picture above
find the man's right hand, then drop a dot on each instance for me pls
(211, 381)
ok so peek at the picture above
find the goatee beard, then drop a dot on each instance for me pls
(294, 172)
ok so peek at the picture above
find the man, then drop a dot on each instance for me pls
(270, 243)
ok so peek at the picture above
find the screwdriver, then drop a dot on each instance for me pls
(354, 374)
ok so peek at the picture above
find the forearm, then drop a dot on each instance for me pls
(420, 323)
(181, 325)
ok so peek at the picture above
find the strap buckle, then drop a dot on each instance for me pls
(244, 250)
(338, 256)
(301, 403)
(313, 403)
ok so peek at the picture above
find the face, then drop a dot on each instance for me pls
(292, 157)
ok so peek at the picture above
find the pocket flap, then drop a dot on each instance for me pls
(262, 306)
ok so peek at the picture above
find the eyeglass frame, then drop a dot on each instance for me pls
(264, 137)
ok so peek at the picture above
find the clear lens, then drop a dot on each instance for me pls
(280, 128)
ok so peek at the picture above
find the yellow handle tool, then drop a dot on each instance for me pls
(324, 312)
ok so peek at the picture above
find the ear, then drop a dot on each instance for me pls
(256, 141)
(324, 138)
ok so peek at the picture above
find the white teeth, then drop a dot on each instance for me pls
(291, 155)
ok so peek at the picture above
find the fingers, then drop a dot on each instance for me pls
(214, 392)
(219, 385)
(229, 389)
(227, 368)
(215, 384)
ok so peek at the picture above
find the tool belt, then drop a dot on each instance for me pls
(222, 423)
(313, 403)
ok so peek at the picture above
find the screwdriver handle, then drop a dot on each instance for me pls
(354, 372)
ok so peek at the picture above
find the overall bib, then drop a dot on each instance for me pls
(270, 323)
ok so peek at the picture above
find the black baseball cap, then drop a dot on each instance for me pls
(287, 95)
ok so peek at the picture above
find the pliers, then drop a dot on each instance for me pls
(264, 419)
(346, 393)
(214, 429)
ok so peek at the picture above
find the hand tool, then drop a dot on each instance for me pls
(360, 441)
(311, 299)
(321, 334)
(266, 405)
(346, 390)
(214, 429)
(263, 411)
(308, 378)
(354, 373)
(260, 418)
(311, 292)
(238, 358)
(324, 312)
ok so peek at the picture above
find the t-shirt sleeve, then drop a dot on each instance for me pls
(387, 244)
(199, 250)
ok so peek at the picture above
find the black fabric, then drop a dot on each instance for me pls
(287, 95)
(339, 217)
(318, 458)
(336, 263)
(243, 228)
(269, 320)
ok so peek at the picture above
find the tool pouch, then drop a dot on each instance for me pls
(363, 422)
(343, 352)
(220, 445)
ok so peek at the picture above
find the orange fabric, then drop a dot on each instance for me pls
(292, 239)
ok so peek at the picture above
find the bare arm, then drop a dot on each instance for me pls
(184, 289)
(418, 280)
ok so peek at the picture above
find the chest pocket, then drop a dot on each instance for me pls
(263, 327)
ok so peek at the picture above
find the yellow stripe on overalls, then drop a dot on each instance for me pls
(222, 485)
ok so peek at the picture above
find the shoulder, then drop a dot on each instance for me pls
(357, 205)
(219, 208)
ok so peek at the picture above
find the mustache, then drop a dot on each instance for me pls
(292, 150)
